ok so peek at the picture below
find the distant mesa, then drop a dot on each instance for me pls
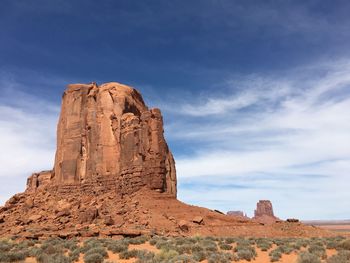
(240, 214)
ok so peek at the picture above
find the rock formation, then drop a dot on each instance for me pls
(114, 175)
(106, 135)
(264, 212)
(237, 214)
(264, 208)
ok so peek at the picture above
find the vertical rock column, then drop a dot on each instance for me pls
(108, 132)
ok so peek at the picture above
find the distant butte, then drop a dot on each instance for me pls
(264, 212)
(114, 175)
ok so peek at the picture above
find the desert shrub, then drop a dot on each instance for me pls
(74, 254)
(70, 244)
(180, 241)
(93, 258)
(345, 244)
(242, 242)
(245, 250)
(22, 245)
(220, 257)
(230, 240)
(6, 245)
(275, 255)
(208, 245)
(331, 244)
(199, 255)
(52, 246)
(278, 241)
(52, 249)
(210, 238)
(341, 257)
(129, 254)
(211, 248)
(97, 250)
(196, 248)
(225, 246)
(138, 240)
(117, 246)
(296, 246)
(91, 243)
(12, 256)
(246, 253)
(286, 248)
(144, 256)
(306, 257)
(301, 243)
(182, 259)
(317, 250)
(166, 255)
(52, 258)
(34, 251)
(163, 244)
(153, 241)
(264, 245)
(185, 248)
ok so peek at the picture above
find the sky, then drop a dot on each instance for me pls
(255, 95)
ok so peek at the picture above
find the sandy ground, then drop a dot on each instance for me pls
(345, 228)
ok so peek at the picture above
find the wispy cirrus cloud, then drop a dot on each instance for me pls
(295, 126)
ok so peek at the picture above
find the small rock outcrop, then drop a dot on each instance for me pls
(240, 214)
(264, 212)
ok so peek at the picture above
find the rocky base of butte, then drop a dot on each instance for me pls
(114, 175)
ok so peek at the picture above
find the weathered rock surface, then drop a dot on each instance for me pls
(264, 212)
(107, 136)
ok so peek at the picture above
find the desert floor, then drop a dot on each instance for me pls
(159, 249)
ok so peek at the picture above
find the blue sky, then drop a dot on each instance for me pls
(255, 94)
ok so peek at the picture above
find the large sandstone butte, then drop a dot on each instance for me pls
(115, 176)
(107, 136)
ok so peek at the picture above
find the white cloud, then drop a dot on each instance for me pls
(27, 136)
(301, 130)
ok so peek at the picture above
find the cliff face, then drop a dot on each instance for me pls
(106, 135)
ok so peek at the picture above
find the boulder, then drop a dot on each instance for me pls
(34, 218)
(89, 215)
(198, 220)
(108, 220)
(183, 225)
